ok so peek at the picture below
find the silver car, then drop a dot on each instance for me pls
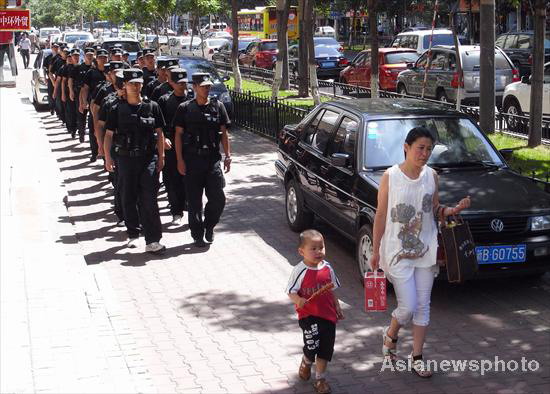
(39, 81)
(443, 79)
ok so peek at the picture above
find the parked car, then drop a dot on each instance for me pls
(193, 64)
(220, 34)
(224, 52)
(420, 39)
(209, 46)
(73, 36)
(329, 61)
(331, 164)
(443, 78)
(391, 61)
(179, 46)
(44, 35)
(39, 80)
(517, 96)
(519, 45)
(328, 42)
(218, 26)
(260, 54)
(129, 45)
(327, 31)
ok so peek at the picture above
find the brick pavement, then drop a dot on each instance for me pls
(217, 320)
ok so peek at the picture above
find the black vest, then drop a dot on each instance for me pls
(136, 131)
(202, 127)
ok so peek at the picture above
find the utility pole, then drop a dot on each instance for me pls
(373, 48)
(535, 109)
(487, 66)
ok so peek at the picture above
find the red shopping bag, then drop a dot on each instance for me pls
(375, 291)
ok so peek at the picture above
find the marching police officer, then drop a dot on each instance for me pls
(135, 126)
(48, 62)
(92, 79)
(70, 98)
(140, 61)
(125, 59)
(162, 86)
(149, 71)
(201, 124)
(172, 179)
(56, 69)
(76, 81)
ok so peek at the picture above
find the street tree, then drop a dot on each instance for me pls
(487, 66)
(235, 47)
(373, 48)
(309, 19)
(281, 68)
(537, 76)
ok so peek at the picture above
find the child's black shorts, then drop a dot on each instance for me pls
(319, 336)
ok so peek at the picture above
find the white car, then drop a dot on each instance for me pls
(220, 34)
(517, 95)
(420, 39)
(179, 46)
(210, 46)
(326, 31)
(44, 35)
(73, 36)
(214, 27)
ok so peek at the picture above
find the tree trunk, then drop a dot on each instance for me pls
(312, 64)
(351, 30)
(487, 66)
(537, 76)
(235, 47)
(285, 83)
(458, 64)
(281, 45)
(303, 80)
(193, 25)
(373, 49)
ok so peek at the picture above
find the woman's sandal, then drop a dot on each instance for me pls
(419, 367)
(304, 372)
(388, 352)
(321, 386)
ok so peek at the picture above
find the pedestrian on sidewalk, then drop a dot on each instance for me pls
(137, 124)
(405, 241)
(318, 310)
(25, 49)
(201, 125)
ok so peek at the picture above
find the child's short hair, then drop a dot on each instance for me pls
(308, 235)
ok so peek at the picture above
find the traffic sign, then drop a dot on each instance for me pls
(15, 20)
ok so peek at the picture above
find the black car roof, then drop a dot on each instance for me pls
(394, 107)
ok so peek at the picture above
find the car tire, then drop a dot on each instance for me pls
(401, 89)
(363, 247)
(297, 215)
(442, 96)
(512, 107)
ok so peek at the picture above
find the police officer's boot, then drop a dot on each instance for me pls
(209, 235)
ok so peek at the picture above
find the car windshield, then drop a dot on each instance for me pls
(439, 39)
(269, 46)
(46, 33)
(128, 46)
(324, 51)
(458, 142)
(401, 57)
(71, 39)
(216, 43)
(198, 66)
(325, 41)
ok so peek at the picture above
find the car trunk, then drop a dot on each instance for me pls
(471, 72)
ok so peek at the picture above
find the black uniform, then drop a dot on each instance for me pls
(160, 90)
(57, 64)
(148, 77)
(48, 61)
(201, 153)
(70, 105)
(174, 182)
(93, 78)
(78, 76)
(135, 143)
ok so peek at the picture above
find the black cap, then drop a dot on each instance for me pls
(55, 44)
(133, 75)
(116, 51)
(125, 53)
(148, 51)
(106, 67)
(66, 50)
(97, 47)
(178, 75)
(139, 54)
(119, 77)
(167, 63)
(202, 79)
(102, 52)
(116, 65)
(89, 50)
(75, 51)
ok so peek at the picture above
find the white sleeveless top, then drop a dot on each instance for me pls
(410, 236)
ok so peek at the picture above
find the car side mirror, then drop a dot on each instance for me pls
(226, 78)
(506, 153)
(410, 66)
(339, 159)
(526, 79)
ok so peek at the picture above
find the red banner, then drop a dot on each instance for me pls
(15, 20)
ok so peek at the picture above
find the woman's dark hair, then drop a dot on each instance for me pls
(416, 133)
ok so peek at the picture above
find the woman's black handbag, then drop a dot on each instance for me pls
(460, 252)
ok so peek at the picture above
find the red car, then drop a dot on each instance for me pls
(391, 61)
(260, 54)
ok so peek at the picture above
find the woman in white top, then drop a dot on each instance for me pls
(405, 240)
(25, 49)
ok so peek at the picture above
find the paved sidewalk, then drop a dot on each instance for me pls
(217, 319)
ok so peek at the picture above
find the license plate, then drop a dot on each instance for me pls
(501, 254)
(328, 64)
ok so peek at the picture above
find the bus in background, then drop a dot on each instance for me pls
(261, 22)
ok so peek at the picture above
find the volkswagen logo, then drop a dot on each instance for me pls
(497, 225)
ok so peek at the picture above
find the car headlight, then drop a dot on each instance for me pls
(225, 97)
(539, 223)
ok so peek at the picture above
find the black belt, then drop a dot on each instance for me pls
(132, 152)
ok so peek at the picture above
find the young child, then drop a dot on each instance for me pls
(317, 318)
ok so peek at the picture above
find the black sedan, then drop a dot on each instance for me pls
(224, 53)
(332, 162)
(328, 59)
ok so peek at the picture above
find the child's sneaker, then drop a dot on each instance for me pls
(321, 386)
(304, 372)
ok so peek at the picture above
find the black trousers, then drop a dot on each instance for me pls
(26, 57)
(80, 117)
(138, 182)
(51, 101)
(204, 175)
(60, 107)
(70, 115)
(93, 141)
(174, 183)
(114, 178)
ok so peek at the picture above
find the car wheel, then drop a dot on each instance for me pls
(402, 90)
(364, 249)
(442, 96)
(297, 216)
(512, 107)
